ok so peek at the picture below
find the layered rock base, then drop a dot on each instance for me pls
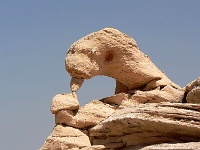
(117, 122)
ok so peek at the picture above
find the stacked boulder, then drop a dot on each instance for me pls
(72, 123)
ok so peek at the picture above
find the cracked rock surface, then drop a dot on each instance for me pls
(147, 124)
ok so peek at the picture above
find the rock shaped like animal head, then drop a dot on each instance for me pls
(91, 55)
(81, 60)
(111, 53)
(97, 54)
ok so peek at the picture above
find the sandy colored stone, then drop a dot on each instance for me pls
(112, 53)
(64, 102)
(88, 115)
(65, 131)
(64, 116)
(192, 91)
(75, 84)
(194, 95)
(116, 99)
(94, 147)
(148, 124)
(167, 94)
(195, 83)
(143, 113)
(64, 138)
(167, 146)
(109, 142)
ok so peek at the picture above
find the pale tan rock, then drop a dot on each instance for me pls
(109, 142)
(75, 84)
(194, 95)
(64, 102)
(167, 94)
(148, 124)
(64, 138)
(135, 117)
(62, 117)
(116, 99)
(167, 146)
(192, 85)
(112, 53)
(65, 131)
(94, 147)
(193, 91)
(88, 115)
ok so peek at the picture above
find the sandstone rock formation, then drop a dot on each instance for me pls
(112, 53)
(87, 116)
(192, 91)
(64, 102)
(66, 138)
(147, 124)
(146, 111)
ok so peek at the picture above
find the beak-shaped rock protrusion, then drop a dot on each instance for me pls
(75, 84)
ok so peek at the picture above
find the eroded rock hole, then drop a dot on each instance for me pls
(96, 88)
(162, 87)
(64, 124)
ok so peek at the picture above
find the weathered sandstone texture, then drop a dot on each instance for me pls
(112, 53)
(193, 91)
(64, 102)
(66, 138)
(147, 124)
(148, 110)
(87, 116)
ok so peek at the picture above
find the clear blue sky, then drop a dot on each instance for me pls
(34, 38)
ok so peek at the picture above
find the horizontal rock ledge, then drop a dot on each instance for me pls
(147, 124)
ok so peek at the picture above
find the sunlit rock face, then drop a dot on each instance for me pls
(192, 91)
(112, 53)
(146, 112)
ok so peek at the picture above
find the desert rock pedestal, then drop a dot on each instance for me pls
(148, 110)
